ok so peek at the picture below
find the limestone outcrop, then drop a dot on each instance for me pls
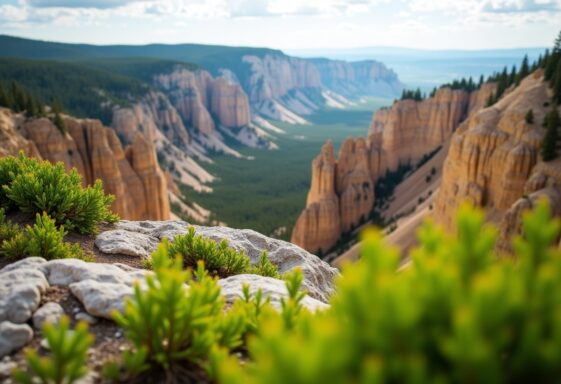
(132, 175)
(102, 288)
(494, 161)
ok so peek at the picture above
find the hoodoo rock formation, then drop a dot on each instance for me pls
(132, 175)
(401, 134)
(494, 160)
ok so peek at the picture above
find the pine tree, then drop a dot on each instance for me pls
(418, 96)
(524, 69)
(530, 117)
(5, 100)
(557, 44)
(512, 77)
(481, 81)
(549, 145)
(59, 122)
(556, 83)
(30, 110)
(18, 96)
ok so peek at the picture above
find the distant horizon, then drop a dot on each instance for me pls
(355, 48)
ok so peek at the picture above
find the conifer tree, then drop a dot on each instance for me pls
(556, 82)
(418, 95)
(5, 99)
(549, 145)
(490, 100)
(30, 110)
(481, 81)
(524, 69)
(512, 77)
(557, 44)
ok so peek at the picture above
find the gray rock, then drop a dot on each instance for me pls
(126, 243)
(318, 275)
(6, 368)
(28, 262)
(21, 287)
(13, 337)
(83, 316)
(68, 271)
(101, 299)
(50, 312)
(275, 289)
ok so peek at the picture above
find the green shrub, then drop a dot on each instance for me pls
(174, 326)
(67, 362)
(38, 186)
(458, 313)
(218, 258)
(42, 239)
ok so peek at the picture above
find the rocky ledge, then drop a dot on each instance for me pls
(26, 299)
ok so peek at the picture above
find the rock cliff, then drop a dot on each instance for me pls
(198, 96)
(131, 174)
(494, 160)
(400, 134)
(359, 78)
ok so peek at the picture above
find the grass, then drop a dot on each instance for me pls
(269, 192)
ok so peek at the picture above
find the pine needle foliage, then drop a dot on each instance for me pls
(67, 361)
(218, 258)
(34, 186)
(458, 313)
(177, 319)
(43, 239)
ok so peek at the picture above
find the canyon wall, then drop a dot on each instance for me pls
(494, 161)
(400, 134)
(131, 174)
(358, 78)
(197, 97)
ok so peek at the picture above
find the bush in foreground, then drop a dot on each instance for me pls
(34, 186)
(43, 239)
(457, 314)
(67, 361)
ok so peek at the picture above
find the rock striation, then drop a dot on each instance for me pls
(341, 195)
(358, 78)
(494, 161)
(197, 97)
(132, 174)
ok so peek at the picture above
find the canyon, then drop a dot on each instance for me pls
(489, 155)
(342, 189)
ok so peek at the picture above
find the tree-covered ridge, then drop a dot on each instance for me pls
(143, 69)
(81, 90)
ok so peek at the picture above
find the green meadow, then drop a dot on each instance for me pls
(268, 192)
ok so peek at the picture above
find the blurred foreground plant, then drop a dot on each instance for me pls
(458, 313)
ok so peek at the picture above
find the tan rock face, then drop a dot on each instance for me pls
(494, 161)
(401, 134)
(11, 142)
(152, 116)
(95, 151)
(319, 225)
(340, 197)
(197, 96)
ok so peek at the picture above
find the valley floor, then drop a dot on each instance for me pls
(268, 192)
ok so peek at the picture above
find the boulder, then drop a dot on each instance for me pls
(274, 289)
(102, 299)
(21, 287)
(13, 337)
(50, 312)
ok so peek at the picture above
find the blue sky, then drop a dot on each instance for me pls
(289, 24)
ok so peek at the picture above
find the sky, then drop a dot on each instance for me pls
(289, 24)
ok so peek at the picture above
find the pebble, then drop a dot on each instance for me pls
(91, 320)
